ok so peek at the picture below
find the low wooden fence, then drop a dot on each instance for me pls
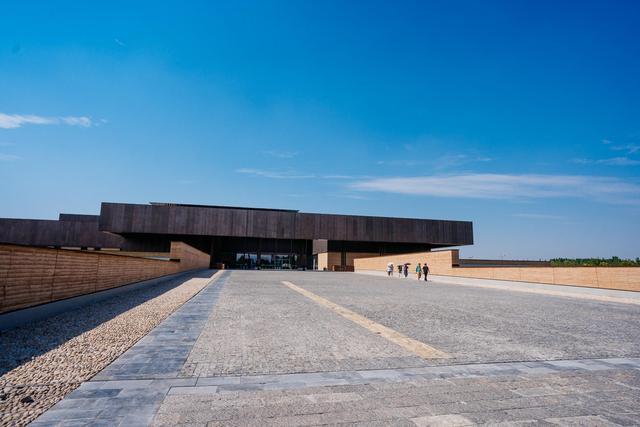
(31, 276)
(447, 263)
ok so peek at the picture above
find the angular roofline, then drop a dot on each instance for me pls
(189, 205)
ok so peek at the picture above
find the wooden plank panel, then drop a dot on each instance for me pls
(5, 263)
(585, 276)
(30, 277)
(75, 274)
(239, 222)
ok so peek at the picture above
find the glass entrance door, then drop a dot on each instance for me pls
(246, 261)
(249, 261)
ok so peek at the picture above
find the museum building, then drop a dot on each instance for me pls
(238, 237)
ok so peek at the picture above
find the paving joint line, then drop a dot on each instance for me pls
(333, 378)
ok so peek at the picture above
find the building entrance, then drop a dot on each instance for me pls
(268, 261)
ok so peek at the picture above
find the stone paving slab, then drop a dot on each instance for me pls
(474, 324)
(129, 391)
(531, 399)
(249, 351)
(314, 379)
(260, 326)
(163, 352)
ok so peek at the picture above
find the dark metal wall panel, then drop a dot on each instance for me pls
(78, 217)
(305, 226)
(38, 232)
(279, 224)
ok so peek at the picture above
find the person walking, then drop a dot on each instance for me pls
(390, 269)
(425, 271)
(419, 270)
(406, 270)
(399, 270)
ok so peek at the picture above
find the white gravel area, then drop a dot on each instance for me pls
(43, 361)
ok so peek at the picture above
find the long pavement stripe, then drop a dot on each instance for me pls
(215, 276)
(416, 347)
(574, 294)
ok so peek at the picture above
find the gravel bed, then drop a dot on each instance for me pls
(42, 362)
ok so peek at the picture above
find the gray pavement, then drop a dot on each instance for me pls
(248, 350)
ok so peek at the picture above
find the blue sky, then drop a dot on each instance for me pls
(523, 117)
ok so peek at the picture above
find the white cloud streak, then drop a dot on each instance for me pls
(289, 174)
(281, 154)
(629, 148)
(507, 187)
(8, 157)
(13, 121)
(539, 216)
(274, 174)
(614, 161)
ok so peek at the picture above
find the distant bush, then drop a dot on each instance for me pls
(595, 262)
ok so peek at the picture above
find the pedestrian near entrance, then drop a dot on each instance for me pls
(406, 270)
(419, 270)
(390, 269)
(399, 270)
(425, 271)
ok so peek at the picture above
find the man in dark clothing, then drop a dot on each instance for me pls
(425, 271)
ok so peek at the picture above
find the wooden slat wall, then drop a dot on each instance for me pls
(275, 224)
(189, 256)
(42, 232)
(445, 263)
(31, 276)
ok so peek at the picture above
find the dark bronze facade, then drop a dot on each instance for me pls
(238, 236)
(279, 224)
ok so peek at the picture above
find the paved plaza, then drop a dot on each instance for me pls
(310, 348)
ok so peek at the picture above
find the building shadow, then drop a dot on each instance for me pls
(25, 342)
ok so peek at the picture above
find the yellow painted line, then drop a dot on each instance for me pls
(416, 347)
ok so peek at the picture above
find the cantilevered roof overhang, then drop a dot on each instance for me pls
(200, 220)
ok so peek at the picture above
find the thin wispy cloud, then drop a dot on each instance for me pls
(8, 157)
(338, 177)
(351, 196)
(507, 187)
(629, 148)
(401, 162)
(614, 161)
(455, 160)
(539, 216)
(280, 154)
(290, 174)
(119, 42)
(274, 174)
(13, 121)
(443, 162)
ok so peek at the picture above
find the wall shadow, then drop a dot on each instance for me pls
(21, 344)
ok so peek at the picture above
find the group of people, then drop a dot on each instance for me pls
(422, 270)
